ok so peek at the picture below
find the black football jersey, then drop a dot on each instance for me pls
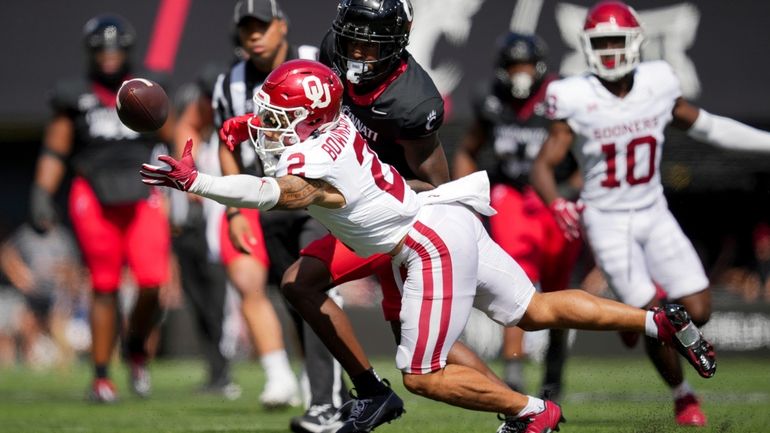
(515, 129)
(406, 106)
(105, 152)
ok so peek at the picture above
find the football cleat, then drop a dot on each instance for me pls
(676, 328)
(368, 413)
(687, 411)
(103, 391)
(139, 379)
(280, 392)
(546, 421)
(322, 418)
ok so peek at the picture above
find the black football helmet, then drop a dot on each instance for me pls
(108, 32)
(385, 23)
(517, 48)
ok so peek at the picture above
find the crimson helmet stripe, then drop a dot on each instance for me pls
(613, 13)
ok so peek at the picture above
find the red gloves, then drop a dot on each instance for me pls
(567, 215)
(181, 175)
(235, 130)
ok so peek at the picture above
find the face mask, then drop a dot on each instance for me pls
(355, 69)
(521, 85)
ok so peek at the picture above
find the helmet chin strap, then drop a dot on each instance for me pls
(353, 74)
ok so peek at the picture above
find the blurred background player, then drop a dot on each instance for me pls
(614, 120)
(196, 237)
(255, 246)
(509, 114)
(46, 269)
(114, 219)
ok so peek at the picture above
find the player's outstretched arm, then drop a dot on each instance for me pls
(718, 130)
(264, 193)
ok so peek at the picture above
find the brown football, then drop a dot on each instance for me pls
(142, 105)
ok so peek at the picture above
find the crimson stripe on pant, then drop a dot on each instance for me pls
(428, 286)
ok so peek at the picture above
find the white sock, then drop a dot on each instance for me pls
(534, 405)
(650, 327)
(276, 363)
(681, 390)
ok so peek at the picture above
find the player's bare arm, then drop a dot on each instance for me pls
(427, 159)
(57, 145)
(467, 152)
(298, 193)
(718, 130)
(554, 150)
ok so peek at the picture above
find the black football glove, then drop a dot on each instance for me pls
(42, 210)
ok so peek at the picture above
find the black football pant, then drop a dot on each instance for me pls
(204, 284)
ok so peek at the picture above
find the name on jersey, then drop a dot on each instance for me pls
(336, 140)
(367, 132)
(632, 127)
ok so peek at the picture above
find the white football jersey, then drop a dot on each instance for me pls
(380, 208)
(619, 141)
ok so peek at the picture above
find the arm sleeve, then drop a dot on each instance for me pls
(728, 133)
(239, 190)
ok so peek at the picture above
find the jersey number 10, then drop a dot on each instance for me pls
(610, 154)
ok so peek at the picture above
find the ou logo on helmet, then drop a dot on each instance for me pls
(316, 92)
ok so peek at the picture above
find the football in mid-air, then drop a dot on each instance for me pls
(142, 105)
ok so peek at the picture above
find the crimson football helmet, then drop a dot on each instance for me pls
(608, 25)
(298, 99)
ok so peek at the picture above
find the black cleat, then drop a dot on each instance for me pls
(323, 418)
(368, 413)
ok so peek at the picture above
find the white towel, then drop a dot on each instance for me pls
(471, 190)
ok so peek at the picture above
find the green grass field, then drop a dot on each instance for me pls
(615, 395)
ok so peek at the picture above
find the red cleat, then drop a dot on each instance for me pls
(687, 412)
(546, 421)
(103, 391)
(676, 328)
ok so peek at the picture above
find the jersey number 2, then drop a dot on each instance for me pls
(610, 154)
